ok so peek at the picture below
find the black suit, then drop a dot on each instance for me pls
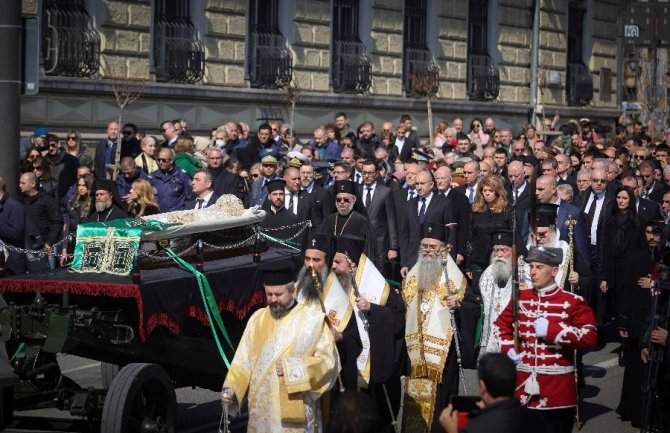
(569, 180)
(192, 203)
(323, 198)
(406, 152)
(656, 194)
(508, 416)
(521, 208)
(459, 209)
(225, 182)
(382, 216)
(410, 230)
(307, 208)
(100, 151)
(648, 210)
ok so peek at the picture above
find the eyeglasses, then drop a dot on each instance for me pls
(163, 160)
(598, 180)
(639, 157)
(343, 199)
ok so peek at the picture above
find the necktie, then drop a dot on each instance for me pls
(422, 211)
(290, 203)
(592, 209)
(108, 154)
(200, 202)
(358, 178)
(368, 198)
(471, 194)
(410, 195)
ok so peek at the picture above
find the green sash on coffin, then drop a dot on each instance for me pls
(109, 247)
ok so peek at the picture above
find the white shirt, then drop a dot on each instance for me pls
(596, 214)
(399, 143)
(287, 200)
(520, 189)
(205, 199)
(372, 191)
(309, 187)
(418, 207)
(409, 194)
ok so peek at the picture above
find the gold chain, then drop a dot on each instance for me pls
(345, 223)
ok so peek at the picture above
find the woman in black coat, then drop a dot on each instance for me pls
(626, 258)
(489, 214)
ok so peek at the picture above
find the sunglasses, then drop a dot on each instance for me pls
(53, 144)
(255, 175)
(72, 138)
(639, 157)
(163, 129)
(127, 132)
(343, 199)
(163, 160)
(598, 180)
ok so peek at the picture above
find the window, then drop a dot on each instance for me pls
(483, 78)
(351, 67)
(178, 55)
(269, 62)
(419, 71)
(70, 46)
(579, 84)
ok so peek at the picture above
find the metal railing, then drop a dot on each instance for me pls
(270, 62)
(483, 80)
(352, 68)
(178, 54)
(579, 85)
(420, 72)
(70, 46)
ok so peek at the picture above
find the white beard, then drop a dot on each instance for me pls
(430, 271)
(101, 206)
(502, 270)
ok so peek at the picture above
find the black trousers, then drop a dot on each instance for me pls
(559, 420)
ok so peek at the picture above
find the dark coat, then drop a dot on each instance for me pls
(482, 226)
(64, 168)
(190, 204)
(44, 213)
(12, 231)
(458, 208)
(508, 416)
(648, 210)
(225, 182)
(100, 150)
(382, 216)
(410, 230)
(108, 214)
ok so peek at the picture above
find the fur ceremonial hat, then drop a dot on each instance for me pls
(318, 241)
(546, 214)
(346, 186)
(432, 231)
(277, 273)
(546, 255)
(351, 246)
(275, 184)
(502, 237)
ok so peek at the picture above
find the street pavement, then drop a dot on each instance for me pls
(199, 410)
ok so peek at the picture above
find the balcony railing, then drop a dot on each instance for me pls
(483, 82)
(270, 62)
(352, 68)
(579, 85)
(178, 54)
(420, 72)
(70, 46)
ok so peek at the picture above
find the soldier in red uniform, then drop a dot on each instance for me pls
(552, 324)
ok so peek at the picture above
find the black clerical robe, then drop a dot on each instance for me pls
(354, 224)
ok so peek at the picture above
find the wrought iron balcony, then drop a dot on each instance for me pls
(270, 62)
(178, 54)
(352, 68)
(483, 81)
(70, 46)
(421, 74)
(579, 87)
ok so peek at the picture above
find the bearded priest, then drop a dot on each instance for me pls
(285, 362)
(433, 290)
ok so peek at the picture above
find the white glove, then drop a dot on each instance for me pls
(513, 356)
(541, 327)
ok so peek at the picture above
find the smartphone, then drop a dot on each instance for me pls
(464, 403)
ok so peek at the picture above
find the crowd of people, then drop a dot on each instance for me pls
(418, 240)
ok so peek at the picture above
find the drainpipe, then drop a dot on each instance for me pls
(534, 50)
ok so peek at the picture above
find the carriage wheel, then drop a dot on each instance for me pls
(141, 398)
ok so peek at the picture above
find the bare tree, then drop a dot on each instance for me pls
(425, 84)
(651, 87)
(292, 92)
(126, 92)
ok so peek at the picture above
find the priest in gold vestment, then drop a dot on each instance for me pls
(431, 293)
(285, 362)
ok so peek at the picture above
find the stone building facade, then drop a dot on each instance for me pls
(526, 51)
